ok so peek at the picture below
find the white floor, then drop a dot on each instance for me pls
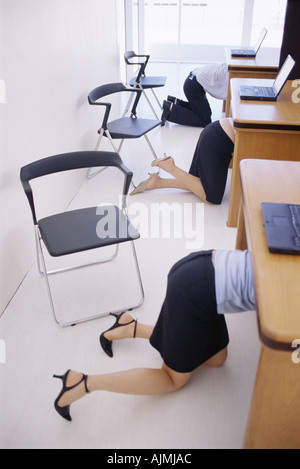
(209, 413)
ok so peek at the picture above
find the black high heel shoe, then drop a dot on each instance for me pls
(65, 411)
(167, 107)
(172, 99)
(105, 343)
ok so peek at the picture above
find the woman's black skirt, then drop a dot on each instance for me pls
(189, 330)
(211, 161)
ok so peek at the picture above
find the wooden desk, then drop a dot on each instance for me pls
(274, 418)
(264, 65)
(264, 130)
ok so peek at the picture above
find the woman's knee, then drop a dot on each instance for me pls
(219, 359)
(178, 380)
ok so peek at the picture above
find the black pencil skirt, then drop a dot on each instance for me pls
(211, 161)
(189, 330)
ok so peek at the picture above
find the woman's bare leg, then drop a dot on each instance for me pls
(142, 331)
(184, 180)
(140, 381)
(181, 180)
(218, 359)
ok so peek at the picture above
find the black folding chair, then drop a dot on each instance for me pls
(76, 231)
(125, 127)
(141, 80)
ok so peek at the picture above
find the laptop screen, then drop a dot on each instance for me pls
(260, 40)
(283, 74)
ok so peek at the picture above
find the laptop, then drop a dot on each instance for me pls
(282, 226)
(269, 93)
(248, 52)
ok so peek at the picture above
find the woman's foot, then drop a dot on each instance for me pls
(172, 99)
(125, 332)
(148, 185)
(167, 107)
(157, 161)
(167, 164)
(74, 387)
(125, 327)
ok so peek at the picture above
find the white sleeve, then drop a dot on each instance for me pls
(214, 79)
(235, 290)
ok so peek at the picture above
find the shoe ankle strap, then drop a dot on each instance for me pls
(135, 328)
(85, 377)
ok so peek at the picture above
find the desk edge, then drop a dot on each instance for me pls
(263, 126)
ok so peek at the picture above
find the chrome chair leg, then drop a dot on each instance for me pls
(149, 102)
(157, 100)
(139, 277)
(45, 273)
(151, 147)
(128, 105)
(91, 174)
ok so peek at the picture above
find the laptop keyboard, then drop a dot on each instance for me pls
(295, 214)
(264, 91)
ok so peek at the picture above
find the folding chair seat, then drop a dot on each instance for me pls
(125, 127)
(141, 80)
(77, 231)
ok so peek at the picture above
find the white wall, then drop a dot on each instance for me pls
(52, 53)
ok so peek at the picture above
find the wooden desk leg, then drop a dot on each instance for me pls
(228, 100)
(277, 145)
(235, 190)
(274, 419)
(241, 238)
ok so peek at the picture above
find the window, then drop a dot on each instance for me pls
(212, 22)
(271, 15)
(197, 31)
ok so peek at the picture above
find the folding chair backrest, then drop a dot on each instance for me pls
(70, 161)
(132, 55)
(142, 64)
(106, 90)
(109, 89)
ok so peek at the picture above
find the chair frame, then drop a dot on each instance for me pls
(65, 162)
(106, 90)
(140, 74)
